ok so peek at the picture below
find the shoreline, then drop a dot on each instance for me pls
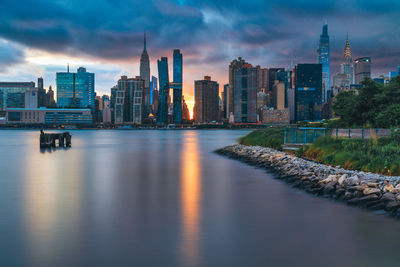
(365, 190)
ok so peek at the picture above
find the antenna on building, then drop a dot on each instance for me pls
(291, 62)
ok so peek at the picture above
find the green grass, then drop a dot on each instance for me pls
(270, 137)
(380, 155)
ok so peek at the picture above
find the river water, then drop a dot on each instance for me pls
(163, 198)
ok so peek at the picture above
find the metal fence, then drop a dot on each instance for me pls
(361, 133)
(301, 136)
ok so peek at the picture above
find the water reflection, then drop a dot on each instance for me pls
(52, 202)
(190, 198)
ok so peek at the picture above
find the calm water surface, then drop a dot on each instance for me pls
(163, 198)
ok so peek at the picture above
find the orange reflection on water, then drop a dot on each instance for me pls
(190, 198)
(52, 193)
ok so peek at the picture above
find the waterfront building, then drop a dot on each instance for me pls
(145, 74)
(245, 92)
(14, 94)
(177, 86)
(206, 94)
(163, 78)
(362, 69)
(230, 98)
(308, 92)
(129, 107)
(48, 116)
(75, 89)
(347, 64)
(324, 60)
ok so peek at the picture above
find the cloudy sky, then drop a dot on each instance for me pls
(39, 37)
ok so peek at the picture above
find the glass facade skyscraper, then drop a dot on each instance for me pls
(308, 92)
(324, 60)
(13, 94)
(75, 89)
(163, 78)
(177, 87)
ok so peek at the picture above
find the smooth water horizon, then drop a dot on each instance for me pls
(164, 198)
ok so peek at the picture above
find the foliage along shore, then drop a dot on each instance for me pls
(378, 155)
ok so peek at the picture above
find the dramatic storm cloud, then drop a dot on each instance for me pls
(38, 37)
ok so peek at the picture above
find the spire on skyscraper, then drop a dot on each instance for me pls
(347, 52)
(144, 42)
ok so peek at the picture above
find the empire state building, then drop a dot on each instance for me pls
(145, 73)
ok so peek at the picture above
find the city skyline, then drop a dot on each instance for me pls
(111, 48)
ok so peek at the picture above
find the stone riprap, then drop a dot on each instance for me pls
(366, 190)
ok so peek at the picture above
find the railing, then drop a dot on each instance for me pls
(302, 136)
(361, 133)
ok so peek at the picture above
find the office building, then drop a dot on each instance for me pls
(206, 94)
(324, 60)
(145, 74)
(278, 94)
(362, 69)
(75, 90)
(185, 111)
(106, 111)
(224, 100)
(177, 86)
(245, 92)
(129, 100)
(230, 98)
(308, 92)
(163, 79)
(153, 87)
(15, 95)
(48, 116)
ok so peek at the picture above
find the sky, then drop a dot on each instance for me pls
(40, 37)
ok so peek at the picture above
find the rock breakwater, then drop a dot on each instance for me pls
(366, 190)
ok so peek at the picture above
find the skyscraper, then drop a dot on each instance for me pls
(362, 69)
(145, 74)
(347, 65)
(129, 102)
(75, 89)
(308, 92)
(153, 87)
(206, 96)
(163, 79)
(230, 98)
(324, 59)
(245, 92)
(177, 87)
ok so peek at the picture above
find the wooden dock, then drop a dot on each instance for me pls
(49, 139)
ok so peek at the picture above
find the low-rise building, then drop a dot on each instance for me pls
(48, 116)
(275, 116)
